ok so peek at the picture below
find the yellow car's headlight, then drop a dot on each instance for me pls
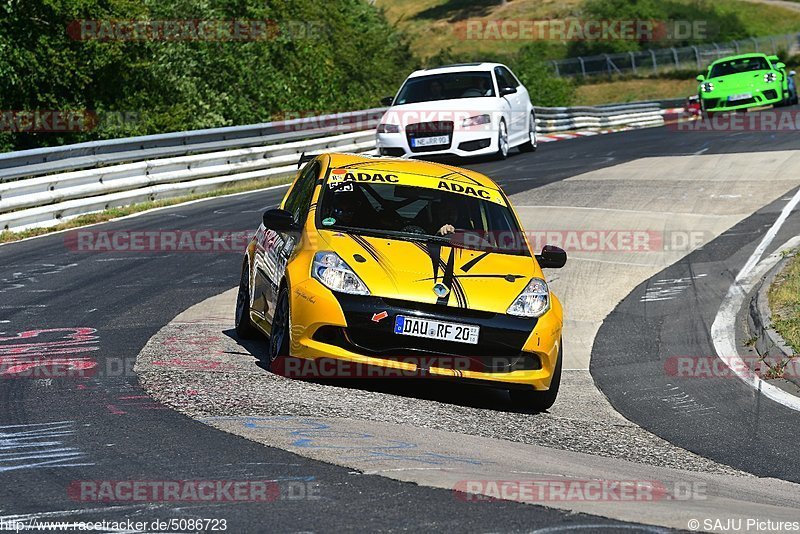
(534, 300)
(336, 275)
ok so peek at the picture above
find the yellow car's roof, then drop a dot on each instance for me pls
(411, 166)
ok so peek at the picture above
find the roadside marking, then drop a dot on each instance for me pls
(668, 288)
(723, 330)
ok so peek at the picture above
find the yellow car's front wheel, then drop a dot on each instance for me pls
(540, 401)
(279, 336)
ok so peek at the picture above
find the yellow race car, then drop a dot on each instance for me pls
(406, 265)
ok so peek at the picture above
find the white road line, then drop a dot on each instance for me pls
(723, 330)
(770, 235)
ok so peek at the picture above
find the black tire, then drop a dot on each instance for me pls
(502, 141)
(279, 337)
(244, 326)
(532, 143)
(539, 401)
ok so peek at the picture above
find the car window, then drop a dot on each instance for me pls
(509, 77)
(735, 66)
(299, 199)
(407, 212)
(449, 86)
(502, 81)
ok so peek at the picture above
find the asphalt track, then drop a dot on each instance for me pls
(109, 430)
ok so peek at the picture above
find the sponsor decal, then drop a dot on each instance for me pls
(378, 317)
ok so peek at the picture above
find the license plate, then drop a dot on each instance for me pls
(742, 96)
(430, 141)
(430, 329)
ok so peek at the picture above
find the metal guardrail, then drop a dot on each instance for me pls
(551, 120)
(50, 199)
(41, 161)
(696, 57)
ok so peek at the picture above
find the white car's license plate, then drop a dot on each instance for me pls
(742, 96)
(427, 328)
(431, 141)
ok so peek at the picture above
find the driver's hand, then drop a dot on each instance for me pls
(446, 229)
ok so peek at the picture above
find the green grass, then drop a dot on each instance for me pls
(7, 236)
(429, 24)
(784, 301)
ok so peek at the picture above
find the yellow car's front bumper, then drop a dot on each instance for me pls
(338, 327)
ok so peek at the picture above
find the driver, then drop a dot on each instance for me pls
(446, 217)
(347, 208)
(437, 90)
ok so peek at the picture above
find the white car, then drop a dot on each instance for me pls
(469, 109)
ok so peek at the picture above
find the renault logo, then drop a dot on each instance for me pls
(441, 290)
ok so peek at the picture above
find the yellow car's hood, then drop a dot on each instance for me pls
(408, 270)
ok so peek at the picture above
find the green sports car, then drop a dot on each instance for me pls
(746, 81)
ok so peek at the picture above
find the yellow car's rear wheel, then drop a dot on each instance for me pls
(244, 326)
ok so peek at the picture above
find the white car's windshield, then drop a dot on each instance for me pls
(446, 87)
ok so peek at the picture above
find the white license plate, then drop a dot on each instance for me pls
(430, 141)
(427, 328)
(742, 96)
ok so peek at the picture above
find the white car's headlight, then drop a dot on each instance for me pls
(476, 120)
(388, 128)
(534, 300)
(336, 275)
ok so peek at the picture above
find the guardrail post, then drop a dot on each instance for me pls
(583, 66)
(755, 43)
(774, 49)
(675, 55)
(697, 56)
(735, 43)
(555, 66)
(633, 62)
(655, 61)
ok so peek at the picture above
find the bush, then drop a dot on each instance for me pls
(342, 58)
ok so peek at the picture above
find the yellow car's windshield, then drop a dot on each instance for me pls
(410, 212)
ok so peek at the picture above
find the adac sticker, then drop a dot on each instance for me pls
(341, 175)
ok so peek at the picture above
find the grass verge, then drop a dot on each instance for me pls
(7, 236)
(784, 301)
